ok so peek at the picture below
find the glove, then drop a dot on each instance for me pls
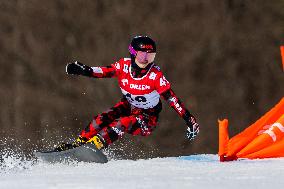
(78, 68)
(192, 128)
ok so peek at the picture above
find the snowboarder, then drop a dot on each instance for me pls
(142, 83)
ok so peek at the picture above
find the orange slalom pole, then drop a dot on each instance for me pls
(282, 55)
(223, 139)
(273, 134)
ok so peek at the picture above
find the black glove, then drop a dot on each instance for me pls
(78, 68)
(192, 128)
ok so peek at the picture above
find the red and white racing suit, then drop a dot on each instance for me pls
(138, 111)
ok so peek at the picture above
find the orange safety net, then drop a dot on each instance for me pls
(262, 136)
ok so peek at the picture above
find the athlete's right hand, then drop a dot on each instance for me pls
(192, 128)
(77, 68)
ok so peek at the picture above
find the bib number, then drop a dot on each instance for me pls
(136, 98)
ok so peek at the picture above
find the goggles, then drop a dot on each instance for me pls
(145, 56)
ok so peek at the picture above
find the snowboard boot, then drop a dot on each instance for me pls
(98, 141)
(65, 146)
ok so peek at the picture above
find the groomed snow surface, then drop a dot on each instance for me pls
(195, 171)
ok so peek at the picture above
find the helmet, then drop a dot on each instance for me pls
(141, 43)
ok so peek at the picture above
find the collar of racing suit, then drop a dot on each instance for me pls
(138, 72)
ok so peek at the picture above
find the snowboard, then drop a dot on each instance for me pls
(85, 153)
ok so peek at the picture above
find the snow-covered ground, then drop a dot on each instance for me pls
(196, 171)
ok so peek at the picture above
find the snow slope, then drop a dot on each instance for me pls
(196, 171)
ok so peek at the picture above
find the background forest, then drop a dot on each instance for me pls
(222, 58)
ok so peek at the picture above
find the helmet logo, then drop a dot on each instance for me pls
(146, 46)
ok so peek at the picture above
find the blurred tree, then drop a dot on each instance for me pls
(222, 58)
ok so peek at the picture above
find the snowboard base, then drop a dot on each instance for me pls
(85, 153)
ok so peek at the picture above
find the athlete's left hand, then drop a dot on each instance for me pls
(192, 128)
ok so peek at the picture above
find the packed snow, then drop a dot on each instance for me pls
(195, 171)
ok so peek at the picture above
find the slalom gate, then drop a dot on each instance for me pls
(262, 139)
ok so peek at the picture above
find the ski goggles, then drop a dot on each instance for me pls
(142, 56)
